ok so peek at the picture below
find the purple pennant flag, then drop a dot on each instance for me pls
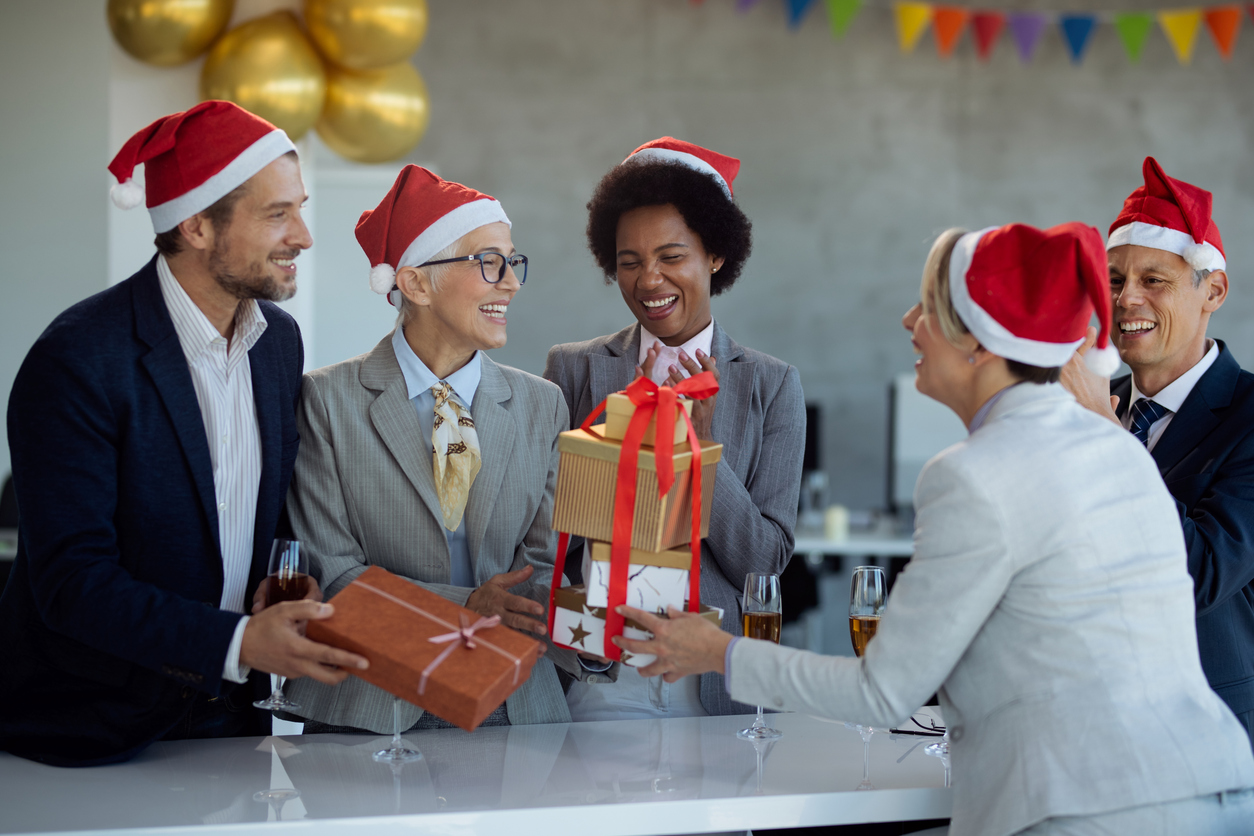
(1027, 28)
(745, 5)
(796, 11)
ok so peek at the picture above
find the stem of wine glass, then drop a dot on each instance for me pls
(396, 723)
(759, 721)
(866, 760)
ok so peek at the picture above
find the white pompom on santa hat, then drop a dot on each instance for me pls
(1172, 215)
(193, 159)
(667, 149)
(1028, 294)
(419, 216)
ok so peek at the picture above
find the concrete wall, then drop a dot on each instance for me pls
(854, 158)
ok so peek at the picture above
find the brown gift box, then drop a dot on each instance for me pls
(583, 504)
(581, 627)
(618, 412)
(389, 620)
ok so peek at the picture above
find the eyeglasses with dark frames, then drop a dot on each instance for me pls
(491, 264)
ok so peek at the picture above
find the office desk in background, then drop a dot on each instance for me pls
(616, 778)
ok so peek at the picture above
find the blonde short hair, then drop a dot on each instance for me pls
(934, 290)
(434, 274)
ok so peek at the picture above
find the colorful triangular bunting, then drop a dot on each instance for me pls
(1181, 27)
(1223, 23)
(841, 13)
(1076, 29)
(796, 11)
(912, 19)
(1027, 28)
(1133, 28)
(947, 25)
(987, 26)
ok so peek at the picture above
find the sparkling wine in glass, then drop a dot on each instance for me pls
(762, 618)
(868, 593)
(287, 580)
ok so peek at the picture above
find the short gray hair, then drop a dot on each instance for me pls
(434, 274)
(1199, 276)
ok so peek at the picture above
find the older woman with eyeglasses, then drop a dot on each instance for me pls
(427, 458)
(1048, 598)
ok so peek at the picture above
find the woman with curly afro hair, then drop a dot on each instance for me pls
(664, 227)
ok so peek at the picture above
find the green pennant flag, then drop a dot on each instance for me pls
(841, 13)
(1133, 28)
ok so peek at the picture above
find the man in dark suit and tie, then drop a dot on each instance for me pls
(1192, 406)
(152, 432)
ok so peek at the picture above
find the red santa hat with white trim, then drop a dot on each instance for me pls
(670, 150)
(1172, 215)
(194, 158)
(419, 216)
(1028, 294)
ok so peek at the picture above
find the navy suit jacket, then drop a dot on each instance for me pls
(110, 623)
(1206, 457)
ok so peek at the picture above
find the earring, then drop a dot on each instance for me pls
(971, 360)
(713, 269)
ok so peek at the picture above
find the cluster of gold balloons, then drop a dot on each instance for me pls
(349, 77)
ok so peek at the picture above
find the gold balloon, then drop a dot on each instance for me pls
(366, 34)
(167, 32)
(375, 115)
(268, 67)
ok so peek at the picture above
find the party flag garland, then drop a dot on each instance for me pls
(912, 19)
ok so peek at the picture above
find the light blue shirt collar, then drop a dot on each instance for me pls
(981, 414)
(420, 379)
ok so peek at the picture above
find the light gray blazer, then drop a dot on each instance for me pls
(760, 419)
(1049, 600)
(363, 495)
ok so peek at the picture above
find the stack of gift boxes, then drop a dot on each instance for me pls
(661, 557)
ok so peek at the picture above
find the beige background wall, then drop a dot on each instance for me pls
(854, 158)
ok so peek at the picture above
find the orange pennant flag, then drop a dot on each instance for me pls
(1223, 23)
(912, 19)
(1181, 27)
(947, 24)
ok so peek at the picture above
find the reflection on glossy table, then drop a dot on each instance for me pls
(624, 777)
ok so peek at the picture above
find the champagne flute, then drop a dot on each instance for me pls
(763, 619)
(868, 594)
(287, 580)
(397, 752)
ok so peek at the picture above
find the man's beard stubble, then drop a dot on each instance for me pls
(257, 283)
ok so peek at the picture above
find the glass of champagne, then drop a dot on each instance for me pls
(763, 619)
(867, 596)
(287, 580)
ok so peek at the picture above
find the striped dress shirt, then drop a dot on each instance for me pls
(222, 377)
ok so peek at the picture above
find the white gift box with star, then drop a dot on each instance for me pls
(579, 626)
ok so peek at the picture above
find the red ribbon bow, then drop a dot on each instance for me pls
(467, 635)
(662, 401)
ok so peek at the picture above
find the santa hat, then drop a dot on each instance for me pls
(193, 159)
(419, 216)
(1027, 294)
(1172, 215)
(670, 150)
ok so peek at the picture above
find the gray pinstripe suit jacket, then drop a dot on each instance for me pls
(760, 418)
(363, 495)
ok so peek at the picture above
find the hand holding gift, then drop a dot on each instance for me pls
(683, 643)
(494, 598)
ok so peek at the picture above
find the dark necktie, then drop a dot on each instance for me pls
(1144, 413)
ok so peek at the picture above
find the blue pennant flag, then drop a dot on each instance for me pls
(1076, 30)
(797, 10)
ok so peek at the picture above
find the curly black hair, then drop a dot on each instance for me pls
(709, 212)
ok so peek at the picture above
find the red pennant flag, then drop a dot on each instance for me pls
(948, 23)
(1223, 23)
(987, 26)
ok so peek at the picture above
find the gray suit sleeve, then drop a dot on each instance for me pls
(319, 509)
(751, 523)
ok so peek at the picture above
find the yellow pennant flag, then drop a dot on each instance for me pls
(1181, 26)
(912, 20)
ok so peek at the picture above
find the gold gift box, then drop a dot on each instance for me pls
(618, 412)
(584, 501)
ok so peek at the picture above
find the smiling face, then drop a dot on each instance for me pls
(253, 256)
(664, 273)
(1159, 317)
(942, 371)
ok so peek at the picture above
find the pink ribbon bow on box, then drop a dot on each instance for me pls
(467, 636)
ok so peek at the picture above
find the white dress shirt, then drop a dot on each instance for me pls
(465, 382)
(1173, 395)
(669, 355)
(222, 378)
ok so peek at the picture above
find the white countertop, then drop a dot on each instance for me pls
(625, 777)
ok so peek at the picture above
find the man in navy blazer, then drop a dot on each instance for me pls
(1192, 405)
(152, 431)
